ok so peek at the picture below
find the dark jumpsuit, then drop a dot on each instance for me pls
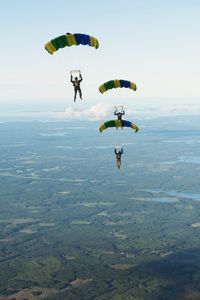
(119, 114)
(118, 156)
(76, 84)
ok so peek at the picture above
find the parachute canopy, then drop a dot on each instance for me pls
(118, 123)
(69, 40)
(117, 84)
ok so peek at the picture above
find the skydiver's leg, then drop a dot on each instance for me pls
(75, 93)
(80, 93)
(118, 163)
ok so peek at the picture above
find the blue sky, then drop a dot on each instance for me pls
(153, 43)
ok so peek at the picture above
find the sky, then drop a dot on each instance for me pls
(153, 43)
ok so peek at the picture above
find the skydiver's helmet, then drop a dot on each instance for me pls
(76, 78)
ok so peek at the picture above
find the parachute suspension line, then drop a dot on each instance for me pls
(70, 58)
(119, 108)
(74, 60)
(77, 50)
(77, 59)
(84, 57)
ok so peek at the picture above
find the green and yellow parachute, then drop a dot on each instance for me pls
(117, 84)
(117, 124)
(69, 40)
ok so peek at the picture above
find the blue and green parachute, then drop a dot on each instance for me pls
(117, 124)
(117, 84)
(69, 39)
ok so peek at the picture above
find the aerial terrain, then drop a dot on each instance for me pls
(73, 226)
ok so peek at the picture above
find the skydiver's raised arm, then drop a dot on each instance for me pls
(123, 113)
(115, 151)
(115, 112)
(122, 150)
(80, 76)
(72, 79)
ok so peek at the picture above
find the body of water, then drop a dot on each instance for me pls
(195, 196)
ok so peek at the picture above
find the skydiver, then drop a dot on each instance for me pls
(118, 156)
(119, 114)
(76, 84)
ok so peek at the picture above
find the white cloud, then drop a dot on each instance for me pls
(96, 112)
(104, 111)
(180, 109)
